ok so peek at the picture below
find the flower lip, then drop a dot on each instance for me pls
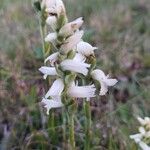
(75, 66)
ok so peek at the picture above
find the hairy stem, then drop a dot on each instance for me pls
(87, 112)
(71, 132)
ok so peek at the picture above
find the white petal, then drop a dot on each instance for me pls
(56, 89)
(48, 71)
(69, 28)
(52, 58)
(144, 146)
(142, 130)
(52, 21)
(104, 88)
(72, 65)
(82, 91)
(111, 82)
(51, 37)
(72, 42)
(50, 103)
(85, 48)
(98, 74)
(141, 121)
(79, 57)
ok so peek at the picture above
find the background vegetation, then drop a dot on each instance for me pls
(121, 30)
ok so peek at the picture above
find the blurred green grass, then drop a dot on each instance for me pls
(121, 30)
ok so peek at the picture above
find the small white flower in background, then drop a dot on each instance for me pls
(72, 42)
(52, 21)
(69, 28)
(144, 121)
(50, 103)
(75, 66)
(48, 71)
(143, 137)
(56, 89)
(104, 80)
(85, 48)
(52, 58)
(82, 91)
(51, 37)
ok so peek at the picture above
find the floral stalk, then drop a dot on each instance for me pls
(87, 125)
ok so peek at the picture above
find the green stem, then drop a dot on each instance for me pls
(42, 31)
(71, 132)
(87, 111)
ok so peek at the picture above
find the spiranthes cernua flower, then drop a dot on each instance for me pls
(71, 42)
(104, 80)
(85, 48)
(48, 71)
(81, 91)
(56, 89)
(75, 66)
(52, 58)
(51, 37)
(79, 57)
(69, 28)
(52, 103)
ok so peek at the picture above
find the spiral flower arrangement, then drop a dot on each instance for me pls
(143, 137)
(73, 63)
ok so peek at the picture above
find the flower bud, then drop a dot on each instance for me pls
(51, 37)
(72, 42)
(69, 28)
(52, 21)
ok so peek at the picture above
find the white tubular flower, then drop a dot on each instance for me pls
(144, 146)
(48, 71)
(69, 28)
(50, 103)
(75, 66)
(51, 37)
(72, 42)
(85, 48)
(52, 58)
(82, 91)
(104, 80)
(52, 21)
(56, 89)
(79, 57)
